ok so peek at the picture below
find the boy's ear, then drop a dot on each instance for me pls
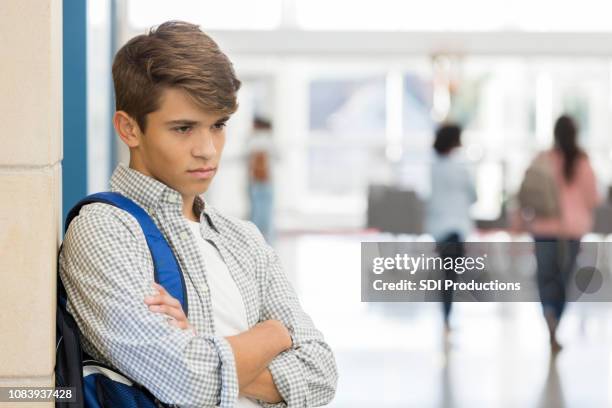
(127, 128)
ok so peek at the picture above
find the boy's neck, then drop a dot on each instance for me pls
(188, 209)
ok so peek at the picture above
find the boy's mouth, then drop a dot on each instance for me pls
(203, 172)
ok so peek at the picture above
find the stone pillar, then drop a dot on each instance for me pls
(30, 189)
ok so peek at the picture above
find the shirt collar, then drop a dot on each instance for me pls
(152, 194)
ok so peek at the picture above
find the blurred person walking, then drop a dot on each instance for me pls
(448, 209)
(557, 199)
(261, 188)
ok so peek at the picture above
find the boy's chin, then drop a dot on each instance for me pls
(197, 190)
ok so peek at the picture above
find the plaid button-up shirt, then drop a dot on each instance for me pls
(107, 270)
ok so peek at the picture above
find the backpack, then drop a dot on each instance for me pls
(539, 191)
(97, 385)
(260, 166)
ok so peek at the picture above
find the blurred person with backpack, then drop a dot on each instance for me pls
(557, 198)
(261, 153)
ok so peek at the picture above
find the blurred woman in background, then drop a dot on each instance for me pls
(557, 232)
(448, 208)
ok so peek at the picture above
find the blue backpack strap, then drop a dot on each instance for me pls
(167, 271)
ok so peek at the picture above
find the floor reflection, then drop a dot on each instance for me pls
(395, 355)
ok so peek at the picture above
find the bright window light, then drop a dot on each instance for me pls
(210, 15)
(450, 15)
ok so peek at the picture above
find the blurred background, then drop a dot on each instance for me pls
(344, 98)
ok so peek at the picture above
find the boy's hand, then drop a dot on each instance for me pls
(164, 303)
(282, 331)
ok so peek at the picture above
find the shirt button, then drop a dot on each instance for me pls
(172, 199)
(205, 289)
(184, 236)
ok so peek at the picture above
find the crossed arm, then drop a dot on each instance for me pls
(272, 366)
(253, 349)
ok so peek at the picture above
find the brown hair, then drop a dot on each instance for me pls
(448, 136)
(179, 55)
(566, 132)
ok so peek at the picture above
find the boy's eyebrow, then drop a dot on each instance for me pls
(192, 122)
(182, 122)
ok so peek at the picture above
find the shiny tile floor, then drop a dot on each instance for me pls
(394, 354)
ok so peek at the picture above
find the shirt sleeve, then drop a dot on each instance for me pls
(305, 375)
(107, 272)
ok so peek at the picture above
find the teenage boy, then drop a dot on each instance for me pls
(251, 343)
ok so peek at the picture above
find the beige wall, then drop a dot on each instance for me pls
(30, 190)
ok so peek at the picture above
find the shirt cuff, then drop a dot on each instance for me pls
(286, 370)
(229, 378)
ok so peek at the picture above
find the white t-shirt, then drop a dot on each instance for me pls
(227, 303)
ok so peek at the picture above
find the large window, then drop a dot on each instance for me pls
(506, 105)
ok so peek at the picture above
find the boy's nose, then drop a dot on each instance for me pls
(205, 146)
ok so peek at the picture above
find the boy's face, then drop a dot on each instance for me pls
(180, 138)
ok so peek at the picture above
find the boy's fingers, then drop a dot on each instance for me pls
(168, 305)
(160, 288)
(170, 311)
(162, 299)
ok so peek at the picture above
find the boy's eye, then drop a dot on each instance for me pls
(183, 129)
(219, 126)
